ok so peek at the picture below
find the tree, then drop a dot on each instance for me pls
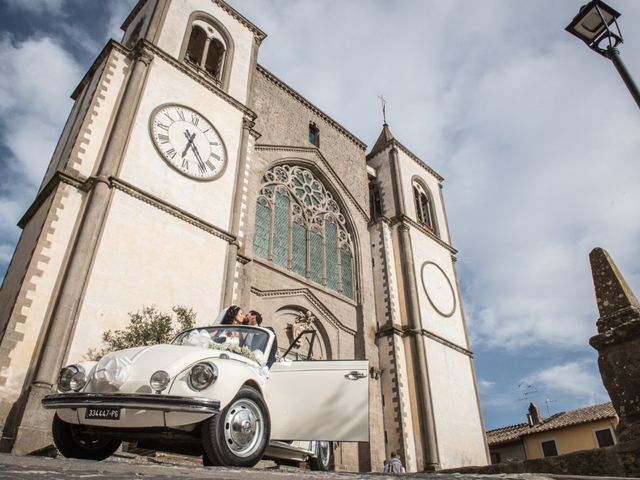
(148, 327)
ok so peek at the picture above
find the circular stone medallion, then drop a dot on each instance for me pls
(438, 288)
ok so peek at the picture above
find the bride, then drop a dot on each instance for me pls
(231, 316)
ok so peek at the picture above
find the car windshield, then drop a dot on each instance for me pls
(244, 340)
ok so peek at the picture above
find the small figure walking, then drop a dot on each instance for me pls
(394, 465)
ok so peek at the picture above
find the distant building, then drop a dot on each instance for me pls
(565, 432)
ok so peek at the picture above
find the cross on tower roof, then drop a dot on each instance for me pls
(384, 108)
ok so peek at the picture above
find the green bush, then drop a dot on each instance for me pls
(148, 327)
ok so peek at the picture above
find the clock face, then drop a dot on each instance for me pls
(188, 142)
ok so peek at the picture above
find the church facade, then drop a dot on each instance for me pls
(188, 174)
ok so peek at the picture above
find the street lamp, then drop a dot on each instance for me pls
(591, 25)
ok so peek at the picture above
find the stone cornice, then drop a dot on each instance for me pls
(405, 331)
(276, 81)
(308, 294)
(85, 184)
(132, 15)
(45, 191)
(403, 220)
(178, 212)
(315, 151)
(399, 146)
(257, 33)
(299, 278)
(111, 45)
(209, 85)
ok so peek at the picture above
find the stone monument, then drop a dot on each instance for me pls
(618, 342)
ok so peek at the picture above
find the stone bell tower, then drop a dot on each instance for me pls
(142, 186)
(431, 405)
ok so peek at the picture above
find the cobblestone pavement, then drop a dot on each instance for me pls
(14, 467)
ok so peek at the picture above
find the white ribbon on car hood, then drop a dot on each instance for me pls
(113, 369)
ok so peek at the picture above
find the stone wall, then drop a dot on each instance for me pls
(617, 461)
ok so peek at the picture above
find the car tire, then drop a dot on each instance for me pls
(323, 459)
(207, 462)
(72, 441)
(239, 434)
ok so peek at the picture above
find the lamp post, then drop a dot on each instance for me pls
(591, 25)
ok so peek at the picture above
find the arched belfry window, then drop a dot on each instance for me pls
(206, 49)
(425, 213)
(299, 227)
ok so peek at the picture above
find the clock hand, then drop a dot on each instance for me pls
(196, 153)
(201, 165)
(189, 142)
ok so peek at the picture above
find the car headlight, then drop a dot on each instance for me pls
(202, 375)
(159, 381)
(72, 377)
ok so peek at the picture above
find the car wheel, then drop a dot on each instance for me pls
(239, 434)
(323, 459)
(207, 462)
(73, 441)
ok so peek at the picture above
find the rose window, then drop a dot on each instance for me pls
(299, 227)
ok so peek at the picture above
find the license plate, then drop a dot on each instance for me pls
(112, 413)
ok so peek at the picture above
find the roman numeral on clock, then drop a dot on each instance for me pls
(194, 120)
(180, 114)
(163, 138)
(171, 152)
(162, 126)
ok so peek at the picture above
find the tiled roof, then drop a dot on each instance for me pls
(506, 434)
(575, 417)
(384, 139)
(554, 422)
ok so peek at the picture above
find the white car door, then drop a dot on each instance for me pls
(319, 400)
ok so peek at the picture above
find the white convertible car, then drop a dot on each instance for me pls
(211, 393)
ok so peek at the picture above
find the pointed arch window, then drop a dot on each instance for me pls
(206, 49)
(299, 226)
(425, 213)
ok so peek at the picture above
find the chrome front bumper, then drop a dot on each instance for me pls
(142, 401)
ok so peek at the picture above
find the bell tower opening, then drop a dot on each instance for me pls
(208, 49)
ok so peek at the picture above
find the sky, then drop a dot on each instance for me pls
(535, 135)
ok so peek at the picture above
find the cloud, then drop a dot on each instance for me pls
(41, 7)
(117, 11)
(578, 380)
(37, 78)
(485, 385)
(538, 168)
(6, 252)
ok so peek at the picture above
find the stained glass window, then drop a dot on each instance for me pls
(316, 257)
(281, 229)
(331, 235)
(261, 238)
(294, 213)
(299, 249)
(347, 278)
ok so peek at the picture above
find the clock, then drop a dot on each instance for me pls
(188, 142)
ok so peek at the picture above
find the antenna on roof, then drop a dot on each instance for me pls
(548, 401)
(527, 390)
(384, 108)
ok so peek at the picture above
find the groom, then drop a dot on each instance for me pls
(253, 319)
